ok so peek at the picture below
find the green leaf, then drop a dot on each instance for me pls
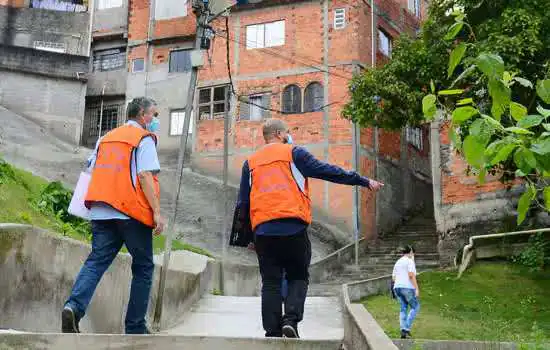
(490, 64)
(519, 131)
(462, 114)
(523, 82)
(482, 175)
(465, 101)
(482, 130)
(503, 154)
(474, 151)
(507, 77)
(501, 95)
(543, 90)
(525, 160)
(455, 139)
(450, 92)
(546, 126)
(546, 196)
(455, 58)
(544, 112)
(530, 121)
(432, 86)
(541, 147)
(493, 122)
(464, 74)
(454, 30)
(524, 203)
(428, 106)
(545, 134)
(518, 111)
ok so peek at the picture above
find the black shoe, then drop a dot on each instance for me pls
(290, 331)
(403, 334)
(69, 322)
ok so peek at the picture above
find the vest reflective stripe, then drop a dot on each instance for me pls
(112, 181)
(278, 190)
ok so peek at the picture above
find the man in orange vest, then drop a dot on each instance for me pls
(124, 202)
(274, 192)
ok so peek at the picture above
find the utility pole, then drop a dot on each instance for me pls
(201, 8)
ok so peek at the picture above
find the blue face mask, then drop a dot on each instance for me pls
(289, 139)
(153, 125)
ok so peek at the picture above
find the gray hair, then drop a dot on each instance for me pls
(272, 126)
(138, 105)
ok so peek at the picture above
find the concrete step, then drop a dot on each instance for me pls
(222, 316)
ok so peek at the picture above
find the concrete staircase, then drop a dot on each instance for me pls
(381, 254)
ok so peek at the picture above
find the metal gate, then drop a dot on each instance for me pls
(113, 116)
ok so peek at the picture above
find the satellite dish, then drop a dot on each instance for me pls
(218, 6)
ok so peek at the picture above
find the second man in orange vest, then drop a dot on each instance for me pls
(274, 191)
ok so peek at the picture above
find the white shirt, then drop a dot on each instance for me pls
(401, 271)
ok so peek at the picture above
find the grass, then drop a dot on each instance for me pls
(494, 301)
(18, 193)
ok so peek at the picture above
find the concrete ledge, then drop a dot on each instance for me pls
(462, 345)
(363, 289)
(38, 268)
(361, 331)
(495, 245)
(164, 342)
(324, 268)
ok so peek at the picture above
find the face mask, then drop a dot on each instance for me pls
(289, 139)
(153, 125)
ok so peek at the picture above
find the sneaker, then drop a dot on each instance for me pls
(403, 334)
(69, 322)
(290, 331)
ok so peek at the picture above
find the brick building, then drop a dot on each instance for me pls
(295, 60)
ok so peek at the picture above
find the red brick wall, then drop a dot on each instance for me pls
(389, 144)
(138, 19)
(136, 52)
(182, 26)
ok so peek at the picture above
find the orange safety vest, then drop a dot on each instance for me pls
(278, 189)
(111, 181)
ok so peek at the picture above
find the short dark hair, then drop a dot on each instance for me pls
(138, 105)
(407, 249)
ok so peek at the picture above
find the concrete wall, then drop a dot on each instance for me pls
(116, 80)
(38, 269)
(110, 20)
(164, 342)
(24, 26)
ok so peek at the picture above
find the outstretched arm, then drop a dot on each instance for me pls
(310, 166)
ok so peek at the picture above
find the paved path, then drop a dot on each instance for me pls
(241, 317)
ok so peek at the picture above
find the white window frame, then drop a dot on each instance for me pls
(414, 7)
(108, 4)
(340, 18)
(134, 65)
(383, 38)
(50, 46)
(177, 121)
(414, 137)
(253, 108)
(259, 36)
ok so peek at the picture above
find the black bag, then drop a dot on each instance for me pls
(241, 231)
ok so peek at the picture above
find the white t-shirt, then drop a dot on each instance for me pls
(401, 271)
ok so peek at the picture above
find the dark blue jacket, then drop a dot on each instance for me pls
(309, 166)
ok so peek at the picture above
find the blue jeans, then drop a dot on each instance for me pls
(107, 239)
(407, 299)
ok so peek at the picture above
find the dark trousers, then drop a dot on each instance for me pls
(293, 255)
(108, 236)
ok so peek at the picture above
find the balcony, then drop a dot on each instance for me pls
(59, 5)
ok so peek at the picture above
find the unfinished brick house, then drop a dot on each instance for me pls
(295, 59)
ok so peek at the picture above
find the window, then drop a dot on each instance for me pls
(385, 43)
(107, 4)
(339, 18)
(166, 9)
(314, 97)
(257, 107)
(211, 102)
(49, 46)
(414, 137)
(414, 7)
(177, 120)
(180, 61)
(138, 65)
(265, 35)
(292, 100)
(109, 59)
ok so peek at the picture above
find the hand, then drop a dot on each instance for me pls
(375, 185)
(160, 222)
(417, 293)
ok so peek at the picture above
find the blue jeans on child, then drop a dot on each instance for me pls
(407, 300)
